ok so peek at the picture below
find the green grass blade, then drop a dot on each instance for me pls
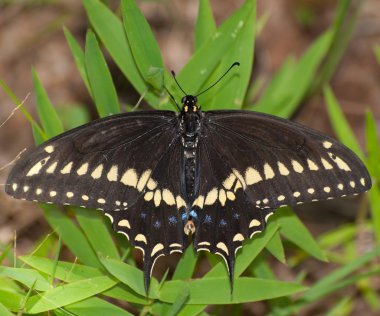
(205, 25)
(50, 121)
(373, 145)
(4, 311)
(68, 294)
(95, 306)
(201, 65)
(294, 230)
(102, 87)
(230, 93)
(144, 46)
(78, 55)
(38, 135)
(28, 277)
(111, 32)
(93, 223)
(374, 199)
(276, 248)
(287, 90)
(180, 301)
(217, 291)
(73, 238)
(186, 265)
(340, 124)
(377, 53)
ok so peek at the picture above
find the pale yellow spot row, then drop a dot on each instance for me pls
(38, 191)
(340, 162)
(252, 176)
(222, 197)
(49, 149)
(83, 169)
(69, 194)
(326, 164)
(141, 237)
(297, 166)
(238, 237)
(222, 246)
(113, 173)
(157, 198)
(327, 144)
(312, 165)
(211, 197)
(97, 173)
(180, 202)
(101, 201)
(124, 223)
(268, 172)
(228, 183)
(67, 169)
(204, 243)
(37, 167)
(156, 249)
(52, 167)
(143, 180)
(282, 168)
(254, 223)
(168, 197)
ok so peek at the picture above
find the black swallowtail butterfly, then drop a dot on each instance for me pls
(161, 176)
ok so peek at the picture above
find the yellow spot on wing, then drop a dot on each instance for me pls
(326, 164)
(252, 176)
(156, 249)
(124, 223)
(97, 173)
(67, 169)
(143, 179)
(222, 246)
(282, 168)
(312, 165)
(238, 237)
(168, 197)
(129, 178)
(228, 183)
(113, 173)
(268, 172)
(211, 197)
(254, 223)
(37, 167)
(157, 198)
(297, 166)
(83, 169)
(141, 237)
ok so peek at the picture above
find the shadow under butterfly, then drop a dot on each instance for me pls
(162, 176)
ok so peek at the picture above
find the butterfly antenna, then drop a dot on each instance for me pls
(175, 79)
(236, 63)
(171, 96)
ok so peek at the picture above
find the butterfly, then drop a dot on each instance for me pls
(162, 176)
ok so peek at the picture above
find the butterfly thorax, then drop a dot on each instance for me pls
(191, 118)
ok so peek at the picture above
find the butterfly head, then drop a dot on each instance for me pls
(189, 104)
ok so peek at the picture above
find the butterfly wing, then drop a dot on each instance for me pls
(126, 165)
(251, 164)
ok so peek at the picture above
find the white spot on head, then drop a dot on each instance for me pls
(85, 197)
(156, 249)
(97, 173)
(297, 166)
(130, 178)
(69, 194)
(268, 172)
(67, 169)
(49, 149)
(113, 173)
(327, 189)
(124, 223)
(327, 144)
(52, 167)
(101, 201)
(252, 176)
(282, 168)
(83, 169)
(211, 196)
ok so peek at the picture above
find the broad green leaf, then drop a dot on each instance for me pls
(186, 265)
(11, 299)
(230, 92)
(294, 230)
(95, 306)
(48, 116)
(217, 290)
(94, 226)
(73, 238)
(144, 47)
(27, 277)
(68, 294)
(110, 30)
(78, 55)
(205, 26)
(180, 301)
(340, 124)
(99, 77)
(130, 276)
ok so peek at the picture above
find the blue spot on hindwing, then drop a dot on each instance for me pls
(193, 214)
(157, 224)
(207, 219)
(222, 222)
(172, 220)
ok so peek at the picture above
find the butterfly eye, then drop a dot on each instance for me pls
(183, 100)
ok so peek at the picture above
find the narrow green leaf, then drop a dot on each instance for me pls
(38, 135)
(373, 145)
(180, 301)
(93, 223)
(144, 47)
(73, 238)
(205, 25)
(340, 124)
(95, 306)
(230, 93)
(78, 55)
(111, 32)
(294, 230)
(102, 87)
(4, 311)
(217, 291)
(377, 53)
(27, 277)
(186, 265)
(11, 299)
(68, 294)
(130, 276)
(49, 118)
(374, 199)
(276, 248)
